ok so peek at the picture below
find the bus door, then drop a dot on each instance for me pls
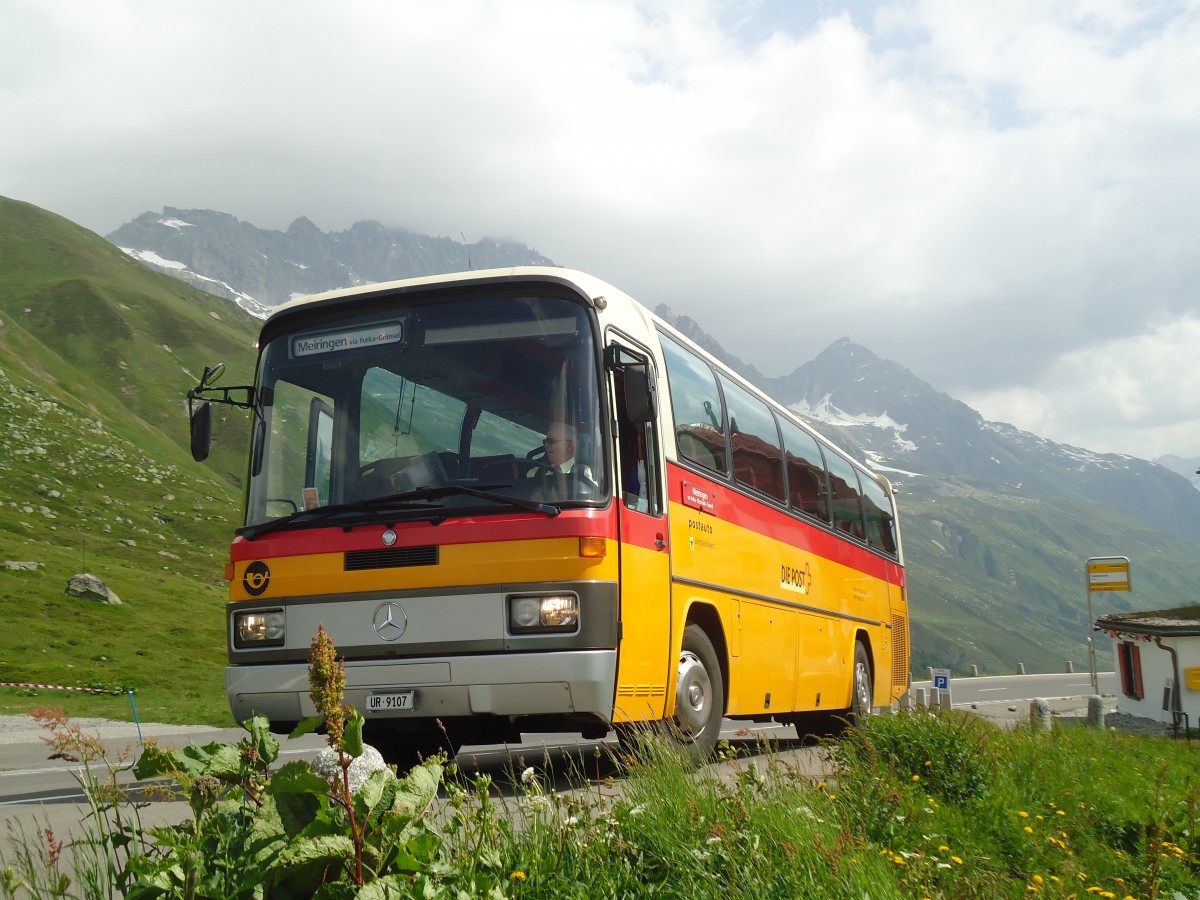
(645, 672)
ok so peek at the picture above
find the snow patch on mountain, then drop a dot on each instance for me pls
(212, 285)
(825, 411)
(150, 258)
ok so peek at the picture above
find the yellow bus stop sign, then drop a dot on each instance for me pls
(1108, 575)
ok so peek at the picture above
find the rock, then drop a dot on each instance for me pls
(17, 565)
(89, 587)
(371, 760)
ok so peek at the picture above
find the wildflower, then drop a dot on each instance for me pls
(518, 875)
(528, 776)
(1023, 814)
(916, 778)
(1037, 879)
(957, 859)
(942, 848)
(1028, 830)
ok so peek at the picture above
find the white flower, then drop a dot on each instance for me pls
(529, 776)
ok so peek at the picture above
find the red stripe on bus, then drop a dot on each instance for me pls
(771, 522)
(466, 530)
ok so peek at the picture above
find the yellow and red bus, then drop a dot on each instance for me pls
(701, 554)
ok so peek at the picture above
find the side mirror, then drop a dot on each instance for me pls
(211, 374)
(201, 422)
(640, 395)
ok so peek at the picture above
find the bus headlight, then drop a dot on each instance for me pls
(549, 613)
(262, 628)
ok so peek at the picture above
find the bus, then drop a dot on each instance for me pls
(703, 553)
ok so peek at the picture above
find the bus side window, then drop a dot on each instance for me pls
(807, 489)
(754, 441)
(696, 402)
(881, 521)
(637, 450)
(847, 496)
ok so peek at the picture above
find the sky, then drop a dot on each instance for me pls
(1001, 195)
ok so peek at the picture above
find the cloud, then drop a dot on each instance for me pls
(1132, 394)
(979, 191)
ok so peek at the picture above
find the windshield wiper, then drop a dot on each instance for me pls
(485, 493)
(405, 500)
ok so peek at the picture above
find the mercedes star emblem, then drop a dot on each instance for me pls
(390, 621)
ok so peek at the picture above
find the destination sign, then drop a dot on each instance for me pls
(334, 341)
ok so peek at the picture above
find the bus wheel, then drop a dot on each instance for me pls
(699, 696)
(861, 703)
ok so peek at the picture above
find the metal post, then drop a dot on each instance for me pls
(1091, 642)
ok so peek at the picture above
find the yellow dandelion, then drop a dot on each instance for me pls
(1060, 812)
(1094, 890)
(928, 763)
(1031, 889)
(1037, 879)
(516, 876)
(942, 848)
(1054, 878)
(1023, 814)
(1107, 894)
(916, 778)
(1028, 829)
(957, 859)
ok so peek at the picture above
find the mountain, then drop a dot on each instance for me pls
(1188, 468)
(902, 423)
(260, 269)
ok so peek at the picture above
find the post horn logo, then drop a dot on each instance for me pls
(256, 578)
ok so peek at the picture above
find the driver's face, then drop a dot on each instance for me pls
(558, 448)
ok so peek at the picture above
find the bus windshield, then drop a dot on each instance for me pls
(394, 406)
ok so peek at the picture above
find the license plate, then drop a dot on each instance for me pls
(389, 702)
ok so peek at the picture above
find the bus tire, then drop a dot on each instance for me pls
(863, 688)
(699, 696)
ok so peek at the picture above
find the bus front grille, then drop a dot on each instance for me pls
(391, 558)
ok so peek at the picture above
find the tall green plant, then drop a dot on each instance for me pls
(290, 830)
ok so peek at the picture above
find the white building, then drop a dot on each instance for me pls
(1158, 661)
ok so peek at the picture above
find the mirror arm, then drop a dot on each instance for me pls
(222, 395)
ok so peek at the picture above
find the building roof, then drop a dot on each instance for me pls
(1183, 620)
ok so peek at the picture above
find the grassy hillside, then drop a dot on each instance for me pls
(996, 579)
(96, 354)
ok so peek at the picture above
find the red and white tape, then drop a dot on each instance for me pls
(56, 687)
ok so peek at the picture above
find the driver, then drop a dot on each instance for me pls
(560, 454)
